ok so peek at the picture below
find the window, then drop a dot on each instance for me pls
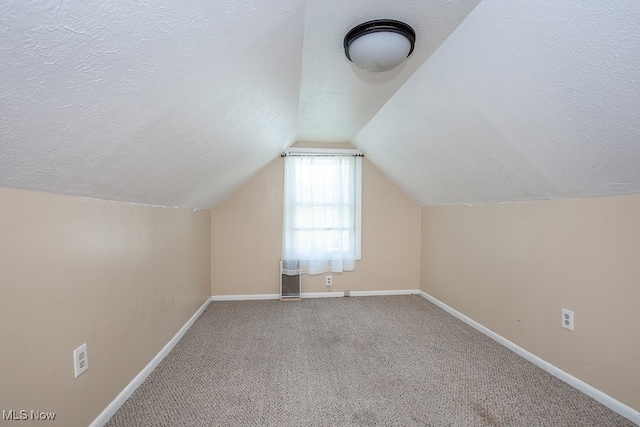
(322, 213)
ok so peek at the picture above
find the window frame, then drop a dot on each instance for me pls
(314, 152)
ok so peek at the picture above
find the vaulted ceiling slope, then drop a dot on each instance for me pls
(337, 99)
(177, 103)
(155, 102)
(525, 100)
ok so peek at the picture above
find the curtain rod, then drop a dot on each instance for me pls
(300, 151)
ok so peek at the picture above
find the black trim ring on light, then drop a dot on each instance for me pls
(376, 26)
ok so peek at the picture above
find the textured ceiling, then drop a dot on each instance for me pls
(337, 99)
(525, 100)
(176, 104)
(156, 102)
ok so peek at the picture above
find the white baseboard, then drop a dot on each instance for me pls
(328, 294)
(384, 293)
(113, 407)
(246, 297)
(608, 401)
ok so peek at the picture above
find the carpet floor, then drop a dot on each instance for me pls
(359, 361)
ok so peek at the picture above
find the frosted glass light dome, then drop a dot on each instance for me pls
(379, 45)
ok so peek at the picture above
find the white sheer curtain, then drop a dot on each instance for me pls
(321, 214)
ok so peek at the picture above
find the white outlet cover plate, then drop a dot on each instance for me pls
(567, 319)
(80, 359)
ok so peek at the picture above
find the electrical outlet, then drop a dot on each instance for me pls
(328, 280)
(80, 359)
(567, 319)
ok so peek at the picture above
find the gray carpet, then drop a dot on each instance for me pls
(397, 360)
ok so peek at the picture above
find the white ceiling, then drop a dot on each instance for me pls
(177, 104)
(337, 99)
(156, 102)
(525, 100)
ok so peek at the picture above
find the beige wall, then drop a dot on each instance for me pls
(246, 234)
(247, 238)
(125, 278)
(513, 267)
(122, 278)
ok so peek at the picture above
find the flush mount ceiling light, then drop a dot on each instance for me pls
(379, 45)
